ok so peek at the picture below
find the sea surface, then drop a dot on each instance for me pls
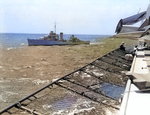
(17, 40)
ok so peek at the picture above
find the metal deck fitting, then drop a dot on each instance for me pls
(136, 100)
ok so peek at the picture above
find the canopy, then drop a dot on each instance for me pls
(130, 20)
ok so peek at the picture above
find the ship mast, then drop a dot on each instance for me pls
(55, 26)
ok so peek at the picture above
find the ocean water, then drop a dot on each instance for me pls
(15, 40)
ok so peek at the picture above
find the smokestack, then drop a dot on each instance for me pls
(61, 36)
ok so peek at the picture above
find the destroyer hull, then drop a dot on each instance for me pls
(38, 42)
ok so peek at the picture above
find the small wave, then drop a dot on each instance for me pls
(38, 81)
(4, 96)
(10, 48)
(22, 44)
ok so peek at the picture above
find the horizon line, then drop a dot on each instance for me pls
(46, 33)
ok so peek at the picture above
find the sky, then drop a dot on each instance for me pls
(98, 17)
